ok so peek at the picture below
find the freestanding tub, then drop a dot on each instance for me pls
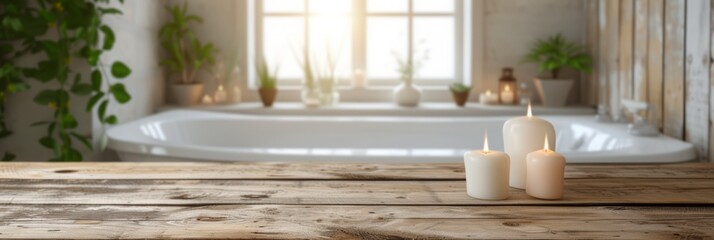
(192, 135)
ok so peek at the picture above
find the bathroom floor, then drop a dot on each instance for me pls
(303, 200)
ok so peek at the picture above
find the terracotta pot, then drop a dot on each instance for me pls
(267, 96)
(187, 94)
(460, 98)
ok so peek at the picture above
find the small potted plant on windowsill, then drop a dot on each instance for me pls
(267, 83)
(186, 55)
(460, 92)
(554, 54)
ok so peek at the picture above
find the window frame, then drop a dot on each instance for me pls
(462, 47)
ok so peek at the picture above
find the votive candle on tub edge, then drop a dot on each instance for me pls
(546, 173)
(487, 173)
(523, 135)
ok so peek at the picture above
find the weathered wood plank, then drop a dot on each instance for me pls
(711, 86)
(612, 31)
(640, 48)
(590, 87)
(371, 222)
(352, 171)
(655, 62)
(341, 192)
(674, 68)
(697, 75)
(626, 40)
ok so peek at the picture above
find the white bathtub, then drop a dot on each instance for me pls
(213, 136)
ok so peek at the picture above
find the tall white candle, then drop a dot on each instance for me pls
(546, 173)
(486, 173)
(521, 136)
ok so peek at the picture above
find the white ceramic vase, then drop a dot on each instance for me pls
(553, 92)
(407, 94)
(187, 94)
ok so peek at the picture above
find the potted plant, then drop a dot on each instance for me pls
(186, 55)
(552, 55)
(460, 92)
(267, 83)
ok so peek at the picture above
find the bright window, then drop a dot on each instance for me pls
(362, 34)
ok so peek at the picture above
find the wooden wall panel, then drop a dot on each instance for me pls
(627, 11)
(612, 27)
(655, 64)
(589, 89)
(674, 68)
(602, 57)
(711, 83)
(697, 75)
(639, 73)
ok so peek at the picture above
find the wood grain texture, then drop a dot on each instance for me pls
(612, 32)
(655, 60)
(590, 88)
(343, 192)
(640, 50)
(365, 222)
(674, 68)
(306, 171)
(697, 75)
(626, 39)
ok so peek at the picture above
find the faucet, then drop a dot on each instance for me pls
(640, 126)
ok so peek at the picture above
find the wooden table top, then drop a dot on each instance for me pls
(373, 201)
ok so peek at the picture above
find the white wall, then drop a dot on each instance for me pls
(136, 45)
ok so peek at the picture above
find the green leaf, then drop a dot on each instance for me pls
(109, 11)
(81, 89)
(68, 121)
(8, 157)
(96, 80)
(120, 93)
(83, 139)
(102, 109)
(93, 101)
(120, 70)
(93, 57)
(108, 37)
(45, 97)
(48, 142)
(111, 120)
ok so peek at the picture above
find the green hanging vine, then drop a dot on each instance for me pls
(64, 31)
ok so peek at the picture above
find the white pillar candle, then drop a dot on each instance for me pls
(221, 95)
(521, 136)
(488, 98)
(546, 173)
(507, 96)
(486, 173)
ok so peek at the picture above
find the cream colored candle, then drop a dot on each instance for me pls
(237, 95)
(507, 96)
(521, 136)
(207, 99)
(486, 173)
(546, 173)
(488, 98)
(221, 95)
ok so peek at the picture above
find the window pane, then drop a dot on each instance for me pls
(331, 35)
(434, 37)
(438, 6)
(281, 37)
(385, 37)
(283, 6)
(330, 6)
(387, 6)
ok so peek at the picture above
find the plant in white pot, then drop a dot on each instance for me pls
(552, 55)
(186, 55)
(407, 94)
